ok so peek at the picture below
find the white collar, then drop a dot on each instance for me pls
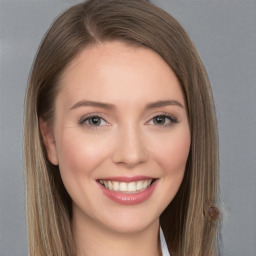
(164, 247)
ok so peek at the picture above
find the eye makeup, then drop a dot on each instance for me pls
(95, 120)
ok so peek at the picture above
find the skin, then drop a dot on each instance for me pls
(127, 142)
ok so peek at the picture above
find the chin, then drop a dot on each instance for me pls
(127, 222)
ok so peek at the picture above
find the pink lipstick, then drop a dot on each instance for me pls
(128, 190)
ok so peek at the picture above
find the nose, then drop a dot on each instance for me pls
(130, 149)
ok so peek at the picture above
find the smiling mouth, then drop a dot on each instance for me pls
(127, 187)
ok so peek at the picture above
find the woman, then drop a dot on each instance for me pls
(120, 137)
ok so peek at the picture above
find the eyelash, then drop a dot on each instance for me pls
(168, 116)
(87, 117)
(171, 118)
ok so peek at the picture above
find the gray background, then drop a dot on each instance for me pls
(224, 32)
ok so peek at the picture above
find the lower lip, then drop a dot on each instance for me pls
(129, 199)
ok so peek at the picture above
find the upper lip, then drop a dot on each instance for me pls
(127, 178)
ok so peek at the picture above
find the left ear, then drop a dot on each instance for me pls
(49, 141)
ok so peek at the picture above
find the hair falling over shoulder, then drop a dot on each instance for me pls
(191, 221)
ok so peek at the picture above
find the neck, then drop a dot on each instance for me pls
(94, 239)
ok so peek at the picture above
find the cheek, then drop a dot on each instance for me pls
(173, 152)
(79, 156)
(172, 156)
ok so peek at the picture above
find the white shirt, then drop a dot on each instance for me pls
(164, 247)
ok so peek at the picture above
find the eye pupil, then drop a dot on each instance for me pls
(159, 120)
(94, 120)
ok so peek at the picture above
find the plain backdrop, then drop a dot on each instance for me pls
(224, 32)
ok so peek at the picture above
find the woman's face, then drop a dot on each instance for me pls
(120, 124)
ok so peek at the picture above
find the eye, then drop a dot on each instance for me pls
(163, 120)
(93, 121)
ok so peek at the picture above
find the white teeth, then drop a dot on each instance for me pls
(110, 186)
(129, 187)
(145, 184)
(115, 186)
(123, 186)
(139, 185)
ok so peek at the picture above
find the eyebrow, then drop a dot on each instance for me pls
(157, 104)
(84, 103)
(163, 103)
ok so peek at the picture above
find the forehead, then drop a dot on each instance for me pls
(115, 71)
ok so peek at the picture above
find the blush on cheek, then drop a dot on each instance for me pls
(173, 156)
(81, 155)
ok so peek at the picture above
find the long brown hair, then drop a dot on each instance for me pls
(190, 223)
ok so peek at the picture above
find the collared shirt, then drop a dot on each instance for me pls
(164, 247)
